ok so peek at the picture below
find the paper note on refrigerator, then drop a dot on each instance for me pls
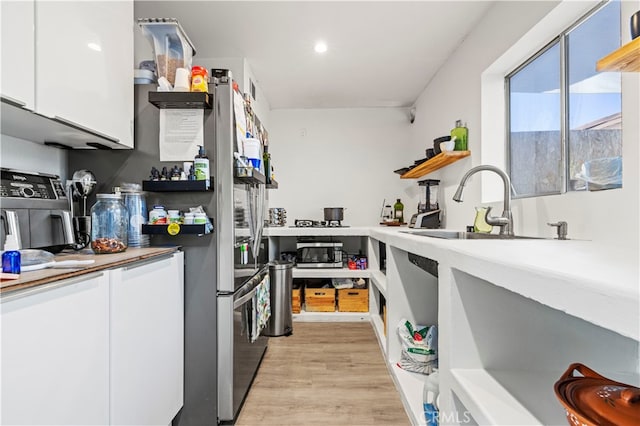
(181, 131)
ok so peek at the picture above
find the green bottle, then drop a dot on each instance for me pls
(461, 133)
(398, 211)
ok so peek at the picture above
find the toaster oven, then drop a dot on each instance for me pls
(318, 254)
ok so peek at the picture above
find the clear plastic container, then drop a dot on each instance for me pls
(109, 224)
(172, 48)
(134, 200)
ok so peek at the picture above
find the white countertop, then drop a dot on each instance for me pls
(292, 231)
(595, 282)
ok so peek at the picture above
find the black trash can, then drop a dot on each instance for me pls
(281, 279)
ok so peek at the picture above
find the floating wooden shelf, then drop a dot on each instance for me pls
(626, 58)
(435, 163)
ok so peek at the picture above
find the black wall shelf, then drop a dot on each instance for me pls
(184, 229)
(184, 100)
(176, 185)
(272, 185)
(249, 175)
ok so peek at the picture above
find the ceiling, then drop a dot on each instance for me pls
(380, 54)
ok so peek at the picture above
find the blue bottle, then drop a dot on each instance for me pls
(11, 257)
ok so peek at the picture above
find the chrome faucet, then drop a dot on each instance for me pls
(505, 222)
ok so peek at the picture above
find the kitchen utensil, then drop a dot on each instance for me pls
(430, 152)
(447, 146)
(333, 213)
(592, 399)
(480, 224)
(58, 265)
(437, 141)
(83, 184)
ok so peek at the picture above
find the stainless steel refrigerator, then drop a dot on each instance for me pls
(220, 276)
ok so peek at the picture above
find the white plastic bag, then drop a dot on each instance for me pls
(419, 347)
(601, 173)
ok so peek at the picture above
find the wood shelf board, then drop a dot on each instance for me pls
(435, 163)
(626, 58)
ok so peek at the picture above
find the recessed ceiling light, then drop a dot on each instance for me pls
(95, 46)
(320, 47)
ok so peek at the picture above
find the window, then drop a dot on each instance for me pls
(564, 119)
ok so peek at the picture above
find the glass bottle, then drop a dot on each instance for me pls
(398, 211)
(109, 223)
(266, 162)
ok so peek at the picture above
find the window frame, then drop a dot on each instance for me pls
(562, 41)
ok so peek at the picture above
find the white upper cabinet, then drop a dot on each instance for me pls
(18, 52)
(84, 65)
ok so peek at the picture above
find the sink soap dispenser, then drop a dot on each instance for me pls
(461, 134)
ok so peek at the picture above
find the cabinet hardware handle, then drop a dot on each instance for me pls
(85, 129)
(12, 101)
(144, 262)
(19, 294)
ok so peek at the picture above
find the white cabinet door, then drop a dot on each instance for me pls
(18, 52)
(55, 354)
(84, 65)
(147, 342)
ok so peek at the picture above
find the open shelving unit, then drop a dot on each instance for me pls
(379, 280)
(411, 386)
(435, 163)
(499, 383)
(626, 58)
(330, 273)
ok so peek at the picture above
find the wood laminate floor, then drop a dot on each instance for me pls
(324, 374)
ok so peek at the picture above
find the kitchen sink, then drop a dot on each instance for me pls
(461, 235)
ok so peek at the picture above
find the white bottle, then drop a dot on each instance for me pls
(201, 167)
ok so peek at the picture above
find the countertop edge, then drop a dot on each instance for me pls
(46, 276)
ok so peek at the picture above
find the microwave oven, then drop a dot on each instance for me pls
(317, 254)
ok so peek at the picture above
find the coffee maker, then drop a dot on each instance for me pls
(428, 215)
(35, 211)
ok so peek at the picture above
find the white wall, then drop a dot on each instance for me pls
(32, 157)
(455, 92)
(340, 158)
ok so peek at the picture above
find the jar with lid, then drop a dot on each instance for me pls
(109, 224)
(158, 216)
(199, 78)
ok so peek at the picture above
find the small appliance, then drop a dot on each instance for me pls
(428, 215)
(319, 254)
(34, 209)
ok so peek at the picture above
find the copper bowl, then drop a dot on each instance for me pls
(594, 400)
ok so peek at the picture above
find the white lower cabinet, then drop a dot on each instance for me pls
(146, 356)
(55, 353)
(104, 348)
